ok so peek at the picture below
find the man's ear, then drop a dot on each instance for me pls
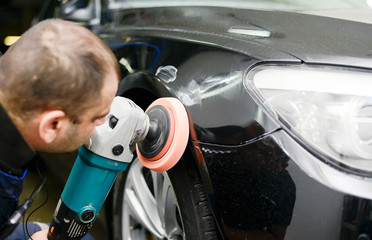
(50, 124)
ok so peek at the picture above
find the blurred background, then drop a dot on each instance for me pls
(15, 17)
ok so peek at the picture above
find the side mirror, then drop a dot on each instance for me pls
(86, 12)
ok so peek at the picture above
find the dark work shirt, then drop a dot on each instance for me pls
(15, 153)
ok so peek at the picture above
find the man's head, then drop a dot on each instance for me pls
(61, 79)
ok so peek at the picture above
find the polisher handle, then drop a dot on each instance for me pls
(87, 187)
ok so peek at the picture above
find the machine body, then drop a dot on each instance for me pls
(160, 132)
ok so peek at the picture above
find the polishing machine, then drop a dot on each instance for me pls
(159, 136)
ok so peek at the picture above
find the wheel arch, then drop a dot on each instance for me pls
(143, 98)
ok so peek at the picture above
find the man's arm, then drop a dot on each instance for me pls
(41, 235)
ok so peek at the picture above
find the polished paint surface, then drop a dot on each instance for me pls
(255, 189)
(256, 184)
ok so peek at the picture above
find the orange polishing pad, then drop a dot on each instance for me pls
(168, 134)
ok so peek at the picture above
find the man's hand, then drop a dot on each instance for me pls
(41, 235)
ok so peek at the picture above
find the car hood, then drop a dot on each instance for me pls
(318, 39)
(266, 35)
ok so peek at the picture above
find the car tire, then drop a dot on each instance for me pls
(166, 205)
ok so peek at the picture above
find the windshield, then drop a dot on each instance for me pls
(285, 5)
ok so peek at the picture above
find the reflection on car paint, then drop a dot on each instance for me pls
(166, 74)
(255, 193)
(323, 171)
(261, 196)
(149, 56)
(220, 84)
(260, 193)
(356, 218)
(259, 184)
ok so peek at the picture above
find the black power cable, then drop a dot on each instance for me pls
(14, 219)
(33, 196)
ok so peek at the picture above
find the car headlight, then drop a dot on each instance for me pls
(326, 109)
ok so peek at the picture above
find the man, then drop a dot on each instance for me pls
(56, 85)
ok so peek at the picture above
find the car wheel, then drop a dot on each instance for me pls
(166, 205)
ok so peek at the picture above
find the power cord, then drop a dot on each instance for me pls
(33, 195)
(14, 219)
(25, 223)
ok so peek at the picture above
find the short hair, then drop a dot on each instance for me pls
(56, 64)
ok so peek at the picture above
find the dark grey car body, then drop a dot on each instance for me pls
(253, 188)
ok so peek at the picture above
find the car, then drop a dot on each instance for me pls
(279, 99)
